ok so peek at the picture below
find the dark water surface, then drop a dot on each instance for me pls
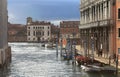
(31, 60)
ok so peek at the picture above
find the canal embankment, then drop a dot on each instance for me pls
(104, 60)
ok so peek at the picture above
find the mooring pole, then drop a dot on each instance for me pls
(116, 64)
(57, 44)
(61, 48)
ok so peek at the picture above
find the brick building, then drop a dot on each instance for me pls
(54, 33)
(17, 33)
(100, 27)
(69, 30)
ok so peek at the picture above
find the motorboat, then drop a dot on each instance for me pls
(43, 45)
(49, 45)
(108, 68)
(97, 68)
(90, 68)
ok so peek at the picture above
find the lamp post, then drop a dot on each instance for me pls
(74, 51)
(57, 42)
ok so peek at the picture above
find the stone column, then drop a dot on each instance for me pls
(100, 11)
(95, 13)
(81, 17)
(85, 16)
(90, 14)
(105, 10)
(109, 9)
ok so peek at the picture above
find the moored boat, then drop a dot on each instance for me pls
(43, 45)
(90, 68)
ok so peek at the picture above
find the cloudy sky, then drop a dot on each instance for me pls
(51, 10)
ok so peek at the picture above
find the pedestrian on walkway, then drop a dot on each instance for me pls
(114, 58)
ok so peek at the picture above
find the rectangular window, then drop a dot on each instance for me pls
(119, 13)
(118, 50)
(48, 33)
(43, 33)
(118, 32)
(34, 33)
(28, 33)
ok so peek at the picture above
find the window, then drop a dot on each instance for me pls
(48, 27)
(118, 32)
(34, 33)
(118, 50)
(33, 27)
(33, 38)
(43, 33)
(40, 33)
(119, 13)
(48, 33)
(28, 33)
(28, 27)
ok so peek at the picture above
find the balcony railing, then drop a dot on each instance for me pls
(97, 24)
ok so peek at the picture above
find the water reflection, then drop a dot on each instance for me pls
(31, 60)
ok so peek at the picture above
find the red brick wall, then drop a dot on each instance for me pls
(69, 27)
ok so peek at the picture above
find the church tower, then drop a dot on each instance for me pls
(29, 21)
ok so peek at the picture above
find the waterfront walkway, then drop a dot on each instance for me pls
(101, 59)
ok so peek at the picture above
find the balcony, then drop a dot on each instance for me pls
(96, 24)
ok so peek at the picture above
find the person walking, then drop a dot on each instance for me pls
(114, 58)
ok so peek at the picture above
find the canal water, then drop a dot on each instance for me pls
(32, 60)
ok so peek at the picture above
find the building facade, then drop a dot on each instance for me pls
(100, 27)
(38, 31)
(69, 30)
(5, 50)
(55, 30)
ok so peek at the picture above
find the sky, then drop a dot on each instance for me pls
(48, 10)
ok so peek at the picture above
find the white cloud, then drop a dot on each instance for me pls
(11, 17)
(56, 22)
